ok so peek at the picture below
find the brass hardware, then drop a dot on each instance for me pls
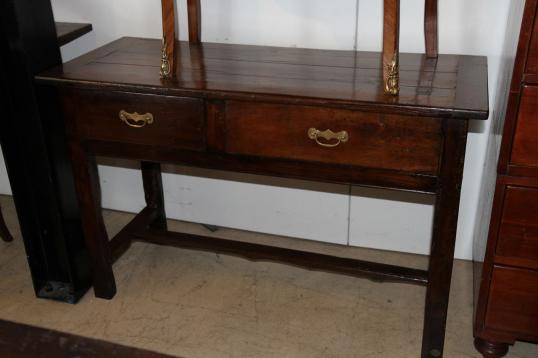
(136, 120)
(392, 82)
(328, 135)
(165, 63)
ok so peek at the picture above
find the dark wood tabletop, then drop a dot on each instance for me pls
(452, 86)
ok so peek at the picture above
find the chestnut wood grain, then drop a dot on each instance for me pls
(95, 235)
(178, 122)
(375, 140)
(431, 28)
(391, 37)
(248, 109)
(532, 62)
(342, 79)
(194, 10)
(391, 26)
(519, 76)
(513, 301)
(341, 174)
(444, 238)
(518, 232)
(88, 191)
(507, 253)
(525, 145)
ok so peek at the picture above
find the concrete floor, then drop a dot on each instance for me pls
(201, 305)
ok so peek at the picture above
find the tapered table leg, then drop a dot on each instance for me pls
(153, 192)
(89, 196)
(444, 238)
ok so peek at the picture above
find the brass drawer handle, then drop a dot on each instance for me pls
(328, 135)
(136, 120)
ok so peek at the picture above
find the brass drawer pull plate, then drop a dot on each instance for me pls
(329, 136)
(136, 120)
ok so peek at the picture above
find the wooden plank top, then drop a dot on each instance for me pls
(451, 86)
(70, 31)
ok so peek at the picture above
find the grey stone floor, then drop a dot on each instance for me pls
(201, 305)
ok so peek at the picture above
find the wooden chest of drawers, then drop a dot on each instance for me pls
(507, 277)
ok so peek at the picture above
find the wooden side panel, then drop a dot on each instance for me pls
(532, 63)
(409, 144)
(518, 235)
(513, 301)
(525, 146)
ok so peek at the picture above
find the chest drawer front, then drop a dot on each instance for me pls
(518, 234)
(356, 138)
(139, 119)
(532, 62)
(525, 147)
(513, 301)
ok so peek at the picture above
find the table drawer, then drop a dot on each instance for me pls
(363, 139)
(110, 116)
(518, 234)
(513, 301)
(525, 147)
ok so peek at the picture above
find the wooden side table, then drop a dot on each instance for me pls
(298, 113)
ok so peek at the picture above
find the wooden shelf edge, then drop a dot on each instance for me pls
(70, 31)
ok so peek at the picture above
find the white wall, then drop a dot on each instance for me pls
(306, 210)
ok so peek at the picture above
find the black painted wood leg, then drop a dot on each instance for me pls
(95, 235)
(4, 232)
(444, 238)
(153, 192)
(490, 349)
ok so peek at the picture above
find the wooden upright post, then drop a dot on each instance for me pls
(391, 46)
(431, 31)
(195, 21)
(168, 55)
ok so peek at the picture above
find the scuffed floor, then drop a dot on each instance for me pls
(201, 305)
